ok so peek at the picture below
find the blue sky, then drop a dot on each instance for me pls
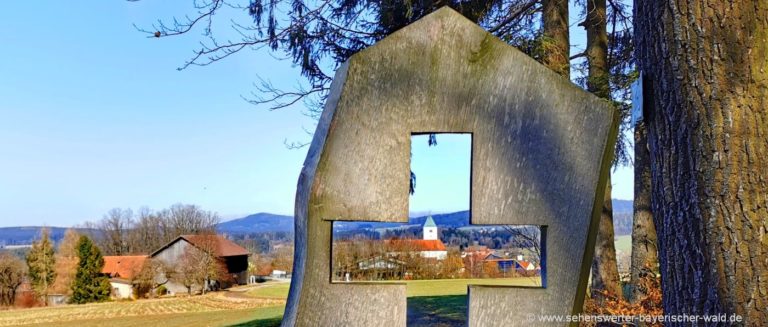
(94, 115)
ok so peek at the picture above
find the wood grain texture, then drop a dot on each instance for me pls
(540, 149)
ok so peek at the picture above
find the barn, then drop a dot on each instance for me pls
(233, 257)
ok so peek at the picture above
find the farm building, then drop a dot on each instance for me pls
(232, 257)
(121, 271)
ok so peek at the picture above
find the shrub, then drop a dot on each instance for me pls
(650, 305)
(27, 299)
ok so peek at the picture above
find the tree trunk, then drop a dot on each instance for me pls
(645, 259)
(708, 149)
(605, 273)
(556, 42)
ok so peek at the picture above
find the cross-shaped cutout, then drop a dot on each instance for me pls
(438, 257)
(541, 155)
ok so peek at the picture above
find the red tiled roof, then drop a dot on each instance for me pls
(125, 267)
(221, 246)
(418, 245)
(477, 248)
(524, 264)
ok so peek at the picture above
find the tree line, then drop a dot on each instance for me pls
(123, 231)
(74, 267)
(360, 259)
(494, 237)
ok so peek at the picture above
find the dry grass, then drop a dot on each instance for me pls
(96, 313)
(429, 302)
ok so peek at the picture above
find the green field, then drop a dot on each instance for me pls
(414, 288)
(440, 302)
(624, 243)
(276, 291)
(430, 303)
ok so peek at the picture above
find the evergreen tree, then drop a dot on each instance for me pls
(317, 36)
(89, 285)
(41, 261)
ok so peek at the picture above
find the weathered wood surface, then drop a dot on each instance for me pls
(541, 149)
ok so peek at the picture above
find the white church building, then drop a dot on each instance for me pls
(430, 246)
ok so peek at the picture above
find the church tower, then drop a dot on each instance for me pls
(430, 229)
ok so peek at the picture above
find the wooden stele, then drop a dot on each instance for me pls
(541, 152)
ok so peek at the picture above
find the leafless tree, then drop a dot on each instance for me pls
(189, 219)
(149, 231)
(120, 232)
(527, 236)
(153, 274)
(199, 266)
(283, 258)
(531, 236)
(12, 272)
(115, 229)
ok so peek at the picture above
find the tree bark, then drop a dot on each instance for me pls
(556, 41)
(645, 259)
(605, 272)
(708, 149)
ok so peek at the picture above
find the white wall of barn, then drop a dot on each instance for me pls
(122, 290)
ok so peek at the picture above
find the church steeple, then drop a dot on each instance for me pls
(430, 229)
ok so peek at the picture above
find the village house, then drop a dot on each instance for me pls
(477, 255)
(122, 271)
(234, 260)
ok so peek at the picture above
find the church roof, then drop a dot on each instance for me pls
(408, 245)
(430, 222)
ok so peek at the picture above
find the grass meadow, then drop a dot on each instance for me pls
(624, 243)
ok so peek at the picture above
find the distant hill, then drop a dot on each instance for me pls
(622, 205)
(267, 222)
(622, 211)
(28, 234)
(622, 217)
(454, 219)
(260, 222)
